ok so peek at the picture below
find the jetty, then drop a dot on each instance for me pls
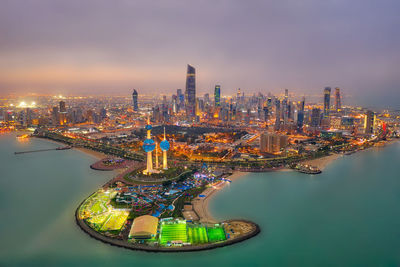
(42, 150)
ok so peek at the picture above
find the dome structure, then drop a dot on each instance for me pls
(164, 145)
(149, 145)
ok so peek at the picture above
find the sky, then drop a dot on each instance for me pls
(111, 47)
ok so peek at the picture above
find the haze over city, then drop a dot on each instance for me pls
(103, 47)
(248, 133)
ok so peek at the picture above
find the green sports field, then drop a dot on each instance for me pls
(215, 234)
(175, 231)
(197, 235)
(115, 221)
(98, 207)
(98, 219)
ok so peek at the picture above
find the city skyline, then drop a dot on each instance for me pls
(309, 46)
(238, 133)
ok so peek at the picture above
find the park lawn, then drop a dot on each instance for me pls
(116, 221)
(216, 234)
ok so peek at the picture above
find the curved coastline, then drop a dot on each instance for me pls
(124, 244)
(204, 217)
(202, 209)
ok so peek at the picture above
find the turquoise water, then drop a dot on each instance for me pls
(347, 216)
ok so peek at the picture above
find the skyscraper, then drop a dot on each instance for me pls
(315, 117)
(285, 107)
(62, 116)
(369, 122)
(217, 96)
(135, 100)
(266, 113)
(300, 115)
(327, 101)
(190, 93)
(338, 104)
(277, 114)
(62, 106)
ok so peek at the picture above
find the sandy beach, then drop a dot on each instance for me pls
(96, 154)
(321, 163)
(201, 205)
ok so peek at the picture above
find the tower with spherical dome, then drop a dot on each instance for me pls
(164, 145)
(148, 147)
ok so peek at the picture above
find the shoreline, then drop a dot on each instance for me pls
(323, 162)
(95, 154)
(201, 205)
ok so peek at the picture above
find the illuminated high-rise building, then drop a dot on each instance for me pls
(369, 122)
(315, 117)
(327, 101)
(300, 115)
(338, 104)
(277, 115)
(62, 116)
(190, 93)
(135, 100)
(217, 96)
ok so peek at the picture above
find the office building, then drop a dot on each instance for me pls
(217, 96)
(135, 100)
(327, 101)
(190, 93)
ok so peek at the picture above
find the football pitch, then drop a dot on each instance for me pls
(215, 234)
(197, 235)
(98, 207)
(175, 231)
(115, 221)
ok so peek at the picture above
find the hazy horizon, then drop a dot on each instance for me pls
(102, 47)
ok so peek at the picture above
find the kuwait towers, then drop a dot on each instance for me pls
(148, 147)
(164, 145)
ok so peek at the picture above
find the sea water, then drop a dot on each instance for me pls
(347, 216)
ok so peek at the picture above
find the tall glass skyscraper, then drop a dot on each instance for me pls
(277, 115)
(300, 115)
(135, 100)
(217, 96)
(338, 104)
(327, 101)
(190, 93)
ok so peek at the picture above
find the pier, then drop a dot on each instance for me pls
(42, 150)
